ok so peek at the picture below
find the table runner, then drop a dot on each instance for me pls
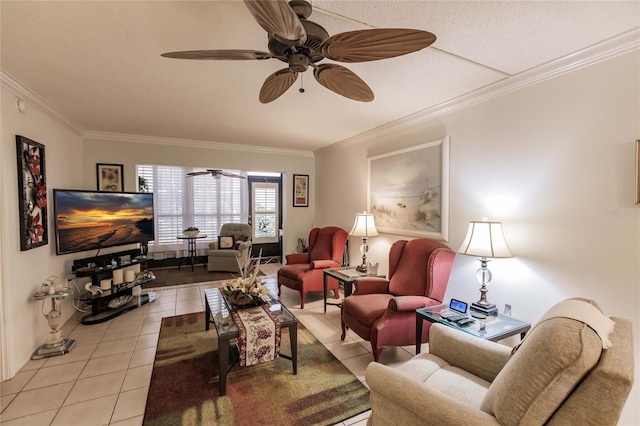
(258, 335)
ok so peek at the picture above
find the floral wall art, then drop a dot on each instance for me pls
(32, 190)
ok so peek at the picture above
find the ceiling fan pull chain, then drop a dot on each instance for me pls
(301, 90)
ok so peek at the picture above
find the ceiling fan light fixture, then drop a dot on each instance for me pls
(298, 62)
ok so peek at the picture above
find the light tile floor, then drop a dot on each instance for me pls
(104, 380)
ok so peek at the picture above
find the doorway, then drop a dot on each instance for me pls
(265, 215)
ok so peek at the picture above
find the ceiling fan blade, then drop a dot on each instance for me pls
(375, 44)
(233, 55)
(276, 84)
(342, 81)
(197, 173)
(278, 19)
(233, 175)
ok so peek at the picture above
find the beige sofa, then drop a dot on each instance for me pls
(560, 375)
(226, 260)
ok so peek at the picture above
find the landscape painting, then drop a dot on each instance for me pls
(409, 191)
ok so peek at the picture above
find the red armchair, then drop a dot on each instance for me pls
(303, 271)
(382, 310)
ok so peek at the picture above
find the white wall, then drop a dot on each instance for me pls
(132, 150)
(555, 163)
(22, 271)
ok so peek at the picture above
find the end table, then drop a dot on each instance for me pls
(493, 327)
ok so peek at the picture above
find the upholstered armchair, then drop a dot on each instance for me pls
(304, 271)
(233, 247)
(559, 375)
(383, 310)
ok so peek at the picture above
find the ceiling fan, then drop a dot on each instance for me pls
(215, 173)
(301, 43)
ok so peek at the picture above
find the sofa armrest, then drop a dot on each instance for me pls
(213, 246)
(371, 285)
(480, 357)
(324, 264)
(398, 399)
(246, 245)
(297, 258)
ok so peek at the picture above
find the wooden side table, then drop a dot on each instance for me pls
(493, 327)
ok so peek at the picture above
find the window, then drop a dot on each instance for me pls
(265, 212)
(201, 201)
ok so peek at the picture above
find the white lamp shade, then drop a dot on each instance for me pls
(485, 239)
(364, 226)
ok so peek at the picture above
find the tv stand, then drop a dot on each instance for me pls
(104, 304)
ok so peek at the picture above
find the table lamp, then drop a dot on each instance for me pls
(364, 227)
(484, 240)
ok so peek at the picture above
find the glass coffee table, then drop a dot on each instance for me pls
(218, 313)
(493, 327)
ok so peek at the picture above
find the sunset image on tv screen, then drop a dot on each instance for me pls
(93, 220)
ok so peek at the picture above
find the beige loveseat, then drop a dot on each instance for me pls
(560, 374)
(226, 260)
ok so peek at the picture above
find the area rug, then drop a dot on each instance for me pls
(184, 383)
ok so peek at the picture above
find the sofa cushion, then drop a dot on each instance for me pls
(552, 360)
(452, 381)
(367, 308)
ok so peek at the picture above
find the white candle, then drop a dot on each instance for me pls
(117, 276)
(129, 275)
(105, 284)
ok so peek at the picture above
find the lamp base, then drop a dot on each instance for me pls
(361, 268)
(46, 352)
(488, 309)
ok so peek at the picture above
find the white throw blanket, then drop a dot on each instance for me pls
(585, 312)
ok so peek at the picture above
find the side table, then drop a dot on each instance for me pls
(191, 250)
(493, 327)
(345, 276)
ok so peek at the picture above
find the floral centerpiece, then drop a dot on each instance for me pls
(248, 288)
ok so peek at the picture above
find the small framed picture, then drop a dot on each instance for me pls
(109, 177)
(300, 190)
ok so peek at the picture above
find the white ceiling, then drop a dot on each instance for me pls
(99, 64)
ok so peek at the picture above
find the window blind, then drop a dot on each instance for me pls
(200, 201)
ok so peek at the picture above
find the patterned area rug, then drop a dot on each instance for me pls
(184, 383)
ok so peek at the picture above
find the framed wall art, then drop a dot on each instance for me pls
(300, 190)
(408, 191)
(32, 193)
(109, 177)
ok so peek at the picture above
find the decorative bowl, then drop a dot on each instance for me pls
(191, 234)
(119, 301)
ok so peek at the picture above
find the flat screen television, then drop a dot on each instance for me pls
(92, 220)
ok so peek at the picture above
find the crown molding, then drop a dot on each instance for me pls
(190, 143)
(609, 49)
(20, 90)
